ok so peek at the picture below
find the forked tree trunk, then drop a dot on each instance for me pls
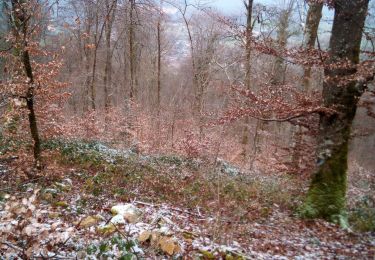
(326, 197)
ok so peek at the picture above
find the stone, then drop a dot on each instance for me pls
(168, 245)
(81, 255)
(51, 191)
(207, 254)
(107, 229)
(88, 222)
(144, 236)
(130, 212)
(118, 220)
(62, 186)
(62, 204)
(164, 230)
(47, 197)
(53, 214)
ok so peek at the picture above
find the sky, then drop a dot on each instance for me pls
(234, 6)
(237, 6)
(230, 6)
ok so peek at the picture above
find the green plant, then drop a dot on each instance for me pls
(127, 249)
(362, 217)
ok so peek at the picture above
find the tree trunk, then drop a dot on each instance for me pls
(94, 62)
(21, 31)
(313, 18)
(132, 50)
(326, 197)
(278, 73)
(278, 76)
(107, 79)
(249, 32)
(87, 52)
(159, 70)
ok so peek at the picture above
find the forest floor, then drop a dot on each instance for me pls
(98, 203)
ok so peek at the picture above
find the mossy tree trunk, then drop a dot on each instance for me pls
(326, 196)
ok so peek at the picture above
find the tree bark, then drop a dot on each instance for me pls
(20, 25)
(314, 15)
(159, 69)
(94, 62)
(107, 79)
(278, 76)
(313, 18)
(326, 197)
(132, 50)
(249, 32)
(248, 37)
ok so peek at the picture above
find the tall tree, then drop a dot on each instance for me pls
(109, 19)
(132, 50)
(279, 69)
(20, 26)
(326, 197)
(3, 32)
(198, 94)
(159, 30)
(248, 36)
(283, 34)
(314, 15)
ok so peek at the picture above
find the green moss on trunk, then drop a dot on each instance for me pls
(326, 197)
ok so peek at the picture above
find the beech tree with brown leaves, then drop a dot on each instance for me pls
(341, 91)
(20, 16)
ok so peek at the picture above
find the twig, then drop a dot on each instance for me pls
(124, 236)
(23, 183)
(12, 246)
(175, 209)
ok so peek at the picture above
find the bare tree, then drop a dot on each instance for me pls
(132, 50)
(248, 38)
(278, 75)
(314, 15)
(159, 31)
(110, 8)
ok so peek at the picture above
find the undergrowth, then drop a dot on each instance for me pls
(362, 216)
(171, 179)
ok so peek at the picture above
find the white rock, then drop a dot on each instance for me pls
(164, 230)
(118, 220)
(130, 212)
